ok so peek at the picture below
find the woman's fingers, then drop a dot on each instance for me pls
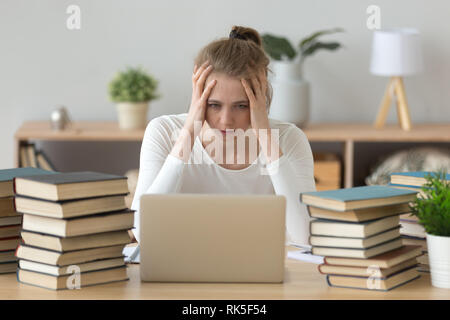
(198, 73)
(208, 90)
(201, 80)
(263, 81)
(256, 85)
(248, 90)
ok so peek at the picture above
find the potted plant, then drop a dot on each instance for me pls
(433, 211)
(290, 90)
(132, 90)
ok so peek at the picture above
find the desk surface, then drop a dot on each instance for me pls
(302, 281)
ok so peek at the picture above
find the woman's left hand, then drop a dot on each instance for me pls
(258, 114)
(256, 94)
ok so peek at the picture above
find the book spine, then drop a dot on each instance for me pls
(309, 212)
(319, 268)
(14, 201)
(300, 198)
(17, 249)
(50, 164)
(14, 185)
(328, 281)
(9, 238)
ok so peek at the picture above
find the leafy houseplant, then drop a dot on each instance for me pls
(291, 92)
(280, 48)
(433, 212)
(132, 90)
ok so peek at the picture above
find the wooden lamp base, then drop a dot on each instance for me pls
(394, 87)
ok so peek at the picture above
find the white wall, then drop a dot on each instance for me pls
(43, 64)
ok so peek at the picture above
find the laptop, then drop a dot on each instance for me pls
(212, 238)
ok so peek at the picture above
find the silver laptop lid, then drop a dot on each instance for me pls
(212, 238)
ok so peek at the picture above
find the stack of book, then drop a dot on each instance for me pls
(10, 220)
(357, 227)
(72, 222)
(411, 231)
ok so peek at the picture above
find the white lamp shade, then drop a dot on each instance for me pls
(396, 52)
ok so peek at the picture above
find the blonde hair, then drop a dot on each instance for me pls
(240, 55)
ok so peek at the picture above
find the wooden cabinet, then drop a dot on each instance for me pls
(327, 171)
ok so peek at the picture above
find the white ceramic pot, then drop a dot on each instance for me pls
(290, 101)
(132, 115)
(439, 258)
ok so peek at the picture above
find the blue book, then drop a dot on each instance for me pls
(415, 178)
(357, 197)
(7, 176)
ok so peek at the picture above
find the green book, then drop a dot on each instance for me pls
(415, 178)
(7, 176)
(357, 197)
(71, 185)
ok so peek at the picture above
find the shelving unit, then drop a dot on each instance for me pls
(345, 134)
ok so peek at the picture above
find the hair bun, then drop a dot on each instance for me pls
(244, 33)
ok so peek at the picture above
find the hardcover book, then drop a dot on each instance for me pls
(359, 215)
(70, 208)
(356, 243)
(71, 185)
(416, 178)
(79, 226)
(321, 227)
(358, 253)
(61, 271)
(60, 282)
(60, 244)
(7, 208)
(7, 176)
(357, 197)
(365, 271)
(377, 284)
(67, 258)
(384, 260)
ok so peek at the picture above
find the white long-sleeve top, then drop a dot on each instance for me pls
(291, 174)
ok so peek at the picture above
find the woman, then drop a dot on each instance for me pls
(203, 151)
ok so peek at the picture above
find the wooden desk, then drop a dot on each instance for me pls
(346, 134)
(302, 281)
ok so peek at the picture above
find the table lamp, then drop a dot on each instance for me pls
(395, 53)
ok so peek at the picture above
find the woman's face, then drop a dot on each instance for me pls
(227, 106)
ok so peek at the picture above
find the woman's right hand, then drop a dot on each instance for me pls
(200, 94)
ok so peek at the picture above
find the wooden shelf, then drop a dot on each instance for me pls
(350, 133)
(346, 134)
(77, 131)
(367, 133)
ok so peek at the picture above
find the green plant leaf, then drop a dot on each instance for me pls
(312, 37)
(277, 47)
(433, 208)
(320, 45)
(133, 85)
